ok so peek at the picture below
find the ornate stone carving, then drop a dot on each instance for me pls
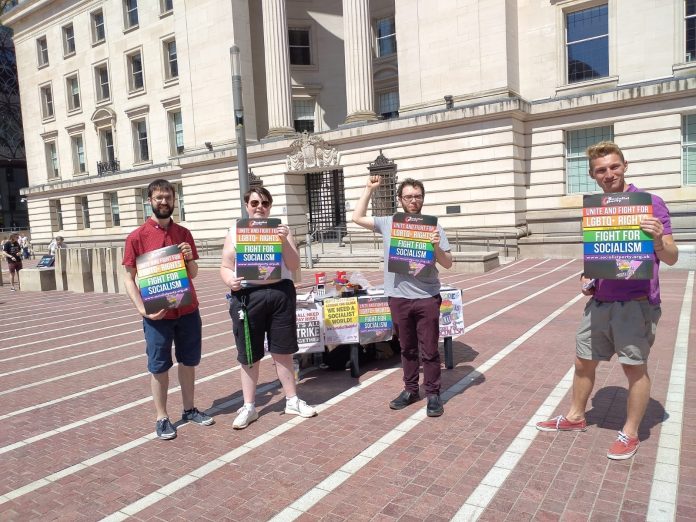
(310, 152)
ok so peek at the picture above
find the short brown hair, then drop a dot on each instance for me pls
(603, 148)
(410, 182)
(162, 185)
(262, 193)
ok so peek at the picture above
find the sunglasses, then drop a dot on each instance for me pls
(255, 203)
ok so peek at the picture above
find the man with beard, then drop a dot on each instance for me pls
(414, 301)
(181, 325)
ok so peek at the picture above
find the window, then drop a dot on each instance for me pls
(42, 51)
(386, 37)
(141, 152)
(56, 212)
(388, 104)
(689, 149)
(587, 44)
(52, 160)
(577, 166)
(299, 47)
(68, 40)
(106, 141)
(166, 6)
(176, 133)
(171, 66)
(46, 102)
(135, 71)
(73, 90)
(115, 211)
(147, 208)
(130, 13)
(98, 32)
(78, 154)
(690, 19)
(83, 210)
(303, 115)
(101, 80)
(179, 193)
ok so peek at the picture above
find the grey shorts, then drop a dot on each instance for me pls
(625, 328)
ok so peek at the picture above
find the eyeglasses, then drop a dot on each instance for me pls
(417, 197)
(255, 203)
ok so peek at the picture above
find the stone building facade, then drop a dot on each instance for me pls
(491, 103)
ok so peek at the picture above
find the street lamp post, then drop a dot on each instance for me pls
(242, 166)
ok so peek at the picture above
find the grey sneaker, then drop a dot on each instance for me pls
(244, 418)
(195, 416)
(165, 429)
(299, 407)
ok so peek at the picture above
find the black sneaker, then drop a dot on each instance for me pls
(165, 429)
(404, 399)
(434, 408)
(195, 416)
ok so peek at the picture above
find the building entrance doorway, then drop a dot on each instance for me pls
(327, 205)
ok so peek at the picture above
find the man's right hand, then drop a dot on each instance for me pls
(235, 283)
(373, 182)
(584, 281)
(156, 316)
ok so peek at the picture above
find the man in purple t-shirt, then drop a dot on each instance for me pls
(620, 318)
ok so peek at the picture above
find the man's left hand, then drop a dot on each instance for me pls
(435, 238)
(653, 227)
(187, 251)
(283, 232)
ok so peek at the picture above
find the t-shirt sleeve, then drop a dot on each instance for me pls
(381, 222)
(129, 253)
(660, 212)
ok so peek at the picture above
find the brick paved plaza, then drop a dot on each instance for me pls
(77, 441)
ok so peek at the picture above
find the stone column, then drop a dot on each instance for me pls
(277, 54)
(357, 42)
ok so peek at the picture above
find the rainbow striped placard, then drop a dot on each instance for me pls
(614, 246)
(163, 279)
(374, 319)
(259, 250)
(410, 249)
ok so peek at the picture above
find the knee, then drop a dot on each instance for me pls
(585, 367)
(636, 372)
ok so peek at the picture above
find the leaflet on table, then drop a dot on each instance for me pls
(374, 319)
(341, 320)
(410, 249)
(310, 333)
(614, 246)
(451, 313)
(259, 250)
(163, 279)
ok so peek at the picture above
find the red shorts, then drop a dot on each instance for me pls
(14, 266)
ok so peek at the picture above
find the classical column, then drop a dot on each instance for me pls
(357, 43)
(277, 53)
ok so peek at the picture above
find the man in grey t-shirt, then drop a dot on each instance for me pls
(414, 300)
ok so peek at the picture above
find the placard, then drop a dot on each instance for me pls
(341, 320)
(451, 313)
(46, 261)
(614, 246)
(374, 319)
(410, 249)
(259, 250)
(310, 333)
(163, 279)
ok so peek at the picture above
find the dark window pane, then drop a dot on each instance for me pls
(304, 125)
(299, 56)
(385, 27)
(587, 23)
(387, 46)
(690, 7)
(588, 60)
(298, 37)
(691, 39)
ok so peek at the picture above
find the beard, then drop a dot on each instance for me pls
(164, 213)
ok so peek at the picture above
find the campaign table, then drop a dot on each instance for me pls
(363, 320)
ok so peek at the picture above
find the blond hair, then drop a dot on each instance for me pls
(603, 148)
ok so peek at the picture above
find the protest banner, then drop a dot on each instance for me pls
(259, 250)
(410, 249)
(614, 246)
(163, 279)
(310, 334)
(451, 313)
(341, 320)
(374, 319)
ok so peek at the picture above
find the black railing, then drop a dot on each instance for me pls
(104, 167)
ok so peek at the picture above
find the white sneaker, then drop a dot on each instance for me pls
(244, 418)
(301, 408)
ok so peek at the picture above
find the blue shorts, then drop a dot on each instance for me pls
(185, 332)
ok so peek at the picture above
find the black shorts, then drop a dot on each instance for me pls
(270, 310)
(14, 266)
